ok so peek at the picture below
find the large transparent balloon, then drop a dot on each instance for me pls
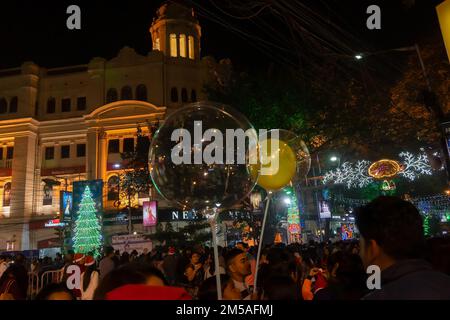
(193, 164)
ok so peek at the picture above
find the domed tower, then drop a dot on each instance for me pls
(176, 31)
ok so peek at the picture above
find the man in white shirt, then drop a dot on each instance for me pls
(238, 267)
(107, 263)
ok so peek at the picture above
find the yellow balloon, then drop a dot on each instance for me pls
(274, 177)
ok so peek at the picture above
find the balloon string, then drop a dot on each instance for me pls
(216, 257)
(266, 209)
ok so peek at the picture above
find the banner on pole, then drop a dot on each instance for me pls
(443, 11)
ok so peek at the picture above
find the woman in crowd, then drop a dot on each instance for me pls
(208, 289)
(55, 291)
(194, 273)
(89, 279)
(10, 288)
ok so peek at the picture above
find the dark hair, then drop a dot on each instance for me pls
(231, 254)
(208, 289)
(87, 275)
(108, 250)
(117, 278)
(48, 290)
(148, 271)
(281, 288)
(394, 224)
(349, 282)
(133, 273)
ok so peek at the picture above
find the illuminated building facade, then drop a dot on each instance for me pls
(68, 124)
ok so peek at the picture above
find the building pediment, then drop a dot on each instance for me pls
(125, 109)
(127, 57)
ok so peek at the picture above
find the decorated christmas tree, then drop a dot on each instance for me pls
(87, 230)
(426, 225)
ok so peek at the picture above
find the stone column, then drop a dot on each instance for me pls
(102, 155)
(91, 154)
(23, 166)
(22, 183)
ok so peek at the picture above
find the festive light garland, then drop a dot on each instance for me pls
(352, 175)
(362, 173)
(437, 205)
(415, 166)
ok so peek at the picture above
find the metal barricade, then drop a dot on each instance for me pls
(36, 283)
(33, 285)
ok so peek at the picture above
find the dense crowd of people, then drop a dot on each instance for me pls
(392, 239)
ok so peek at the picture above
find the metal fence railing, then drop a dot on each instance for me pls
(36, 282)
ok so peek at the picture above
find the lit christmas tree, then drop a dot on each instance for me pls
(87, 226)
(426, 225)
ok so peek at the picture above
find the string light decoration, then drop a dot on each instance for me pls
(87, 226)
(437, 206)
(293, 215)
(384, 169)
(352, 175)
(388, 185)
(414, 166)
(363, 172)
(426, 225)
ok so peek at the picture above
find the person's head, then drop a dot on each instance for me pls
(55, 291)
(195, 258)
(68, 257)
(125, 258)
(391, 229)
(280, 287)
(79, 259)
(237, 264)
(334, 262)
(153, 276)
(128, 274)
(109, 251)
(171, 251)
(19, 259)
(208, 289)
(241, 246)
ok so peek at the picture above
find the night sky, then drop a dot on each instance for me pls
(36, 30)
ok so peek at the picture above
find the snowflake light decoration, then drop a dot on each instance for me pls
(414, 166)
(352, 175)
(357, 175)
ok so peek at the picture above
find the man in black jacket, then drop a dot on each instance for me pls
(392, 238)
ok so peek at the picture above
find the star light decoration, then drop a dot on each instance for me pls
(356, 175)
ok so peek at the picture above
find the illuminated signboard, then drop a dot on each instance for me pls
(54, 223)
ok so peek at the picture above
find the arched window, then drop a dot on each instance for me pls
(7, 194)
(13, 105)
(173, 45)
(51, 105)
(113, 188)
(191, 47)
(157, 44)
(111, 95)
(193, 96)
(183, 47)
(126, 93)
(3, 105)
(141, 92)
(184, 95)
(174, 94)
